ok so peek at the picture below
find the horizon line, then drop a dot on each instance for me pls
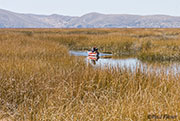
(92, 13)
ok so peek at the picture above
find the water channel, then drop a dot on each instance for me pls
(107, 60)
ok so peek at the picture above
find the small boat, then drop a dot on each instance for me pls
(93, 58)
(93, 53)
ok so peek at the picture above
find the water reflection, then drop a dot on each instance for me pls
(110, 62)
(106, 60)
(93, 59)
(129, 63)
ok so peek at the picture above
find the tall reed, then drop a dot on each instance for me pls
(40, 81)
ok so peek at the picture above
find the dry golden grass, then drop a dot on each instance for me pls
(146, 44)
(40, 81)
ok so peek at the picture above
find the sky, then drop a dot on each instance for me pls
(81, 7)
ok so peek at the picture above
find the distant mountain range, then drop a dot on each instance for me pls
(10, 19)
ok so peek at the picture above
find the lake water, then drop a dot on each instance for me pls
(106, 60)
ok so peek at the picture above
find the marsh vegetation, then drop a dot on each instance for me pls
(39, 80)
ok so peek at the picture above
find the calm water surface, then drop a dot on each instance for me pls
(105, 60)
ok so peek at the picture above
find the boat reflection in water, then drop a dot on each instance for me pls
(93, 59)
(107, 60)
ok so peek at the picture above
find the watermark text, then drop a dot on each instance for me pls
(162, 116)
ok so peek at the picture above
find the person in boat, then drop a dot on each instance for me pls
(94, 49)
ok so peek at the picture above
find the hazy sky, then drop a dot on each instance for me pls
(80, 7)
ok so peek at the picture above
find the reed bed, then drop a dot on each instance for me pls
(40, 81)
(145, 44)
